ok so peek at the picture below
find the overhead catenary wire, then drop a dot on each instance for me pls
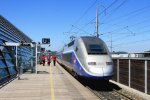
(131, 33)
(135, 34)
(133, 27)
(129, 26)
(104, 11)
(137, 11)
(76, 22)
(133, 42)
(120, 31)
(115, 9)
(126, 15)
(99, 14)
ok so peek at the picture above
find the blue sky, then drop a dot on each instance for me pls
(126, 21)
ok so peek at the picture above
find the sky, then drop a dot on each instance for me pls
(124, 25)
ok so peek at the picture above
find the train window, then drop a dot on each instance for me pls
(67, 57)
(70, 44)
(96, 49)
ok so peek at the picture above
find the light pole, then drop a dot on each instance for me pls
(35, 45)
(16, 56)
(36, 57)
(97, 21)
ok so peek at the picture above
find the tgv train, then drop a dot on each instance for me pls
(87, 57)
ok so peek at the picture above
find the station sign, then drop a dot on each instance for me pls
(45, 40)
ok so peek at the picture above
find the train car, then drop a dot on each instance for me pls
(87, 57)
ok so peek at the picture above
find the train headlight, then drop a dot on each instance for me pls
(109, 63)
(91, 63)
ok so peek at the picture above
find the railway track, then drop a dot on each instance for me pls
(111, 95)
(115, 95)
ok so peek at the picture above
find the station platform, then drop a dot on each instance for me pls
(51, 83)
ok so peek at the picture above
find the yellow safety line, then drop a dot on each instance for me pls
(52, 84)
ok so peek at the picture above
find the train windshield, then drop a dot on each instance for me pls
(96, 49)
(94, 45)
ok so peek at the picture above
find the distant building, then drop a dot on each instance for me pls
(136, 55)
(131, 55)
(120, 54)
(147, 54)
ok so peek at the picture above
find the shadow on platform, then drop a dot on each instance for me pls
(43, 72)
(100, 85)
(23, 78)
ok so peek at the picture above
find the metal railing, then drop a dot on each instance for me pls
(133, 72)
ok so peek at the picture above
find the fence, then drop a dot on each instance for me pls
(133, 72)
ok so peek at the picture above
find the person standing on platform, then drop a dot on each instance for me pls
(54, 59)
(43, 60)
(48, 60)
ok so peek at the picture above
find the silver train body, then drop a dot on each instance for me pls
(88, 57)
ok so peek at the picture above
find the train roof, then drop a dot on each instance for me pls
(89, 39)
(85, 39)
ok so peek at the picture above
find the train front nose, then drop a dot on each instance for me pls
(96, 68)
(101, 68)
(98, 71)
